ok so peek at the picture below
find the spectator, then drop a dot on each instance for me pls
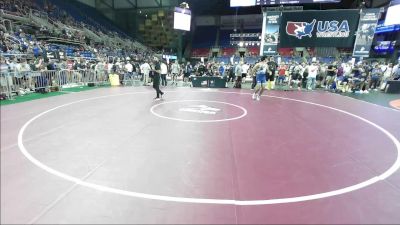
(245, 70)
(239, 71)
(375, 77)
(282, 73)
(175, 71)
(164, 72)
(312, 75)
(387, 74)
(145, 69)
(330, 75)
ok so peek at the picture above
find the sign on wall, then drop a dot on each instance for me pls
(323, 28)
(270, 33)
(365, 32)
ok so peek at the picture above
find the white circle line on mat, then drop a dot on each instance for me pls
(199, 121)
(98, 187)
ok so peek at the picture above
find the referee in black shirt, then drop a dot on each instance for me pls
(156, 78)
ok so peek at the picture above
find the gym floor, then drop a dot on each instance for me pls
(113, 155)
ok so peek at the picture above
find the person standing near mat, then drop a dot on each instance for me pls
(260, 70)
(145, 70)
(156, 79)
(272, 67)
(175, 70)
(164, 72)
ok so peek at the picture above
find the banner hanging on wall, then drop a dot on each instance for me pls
(365, 32)
(322, 28)
(270, 33)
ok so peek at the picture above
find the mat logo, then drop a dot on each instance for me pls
(333, 29)
(202, 109)
(300, 29)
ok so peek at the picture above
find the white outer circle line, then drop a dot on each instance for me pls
(81, 182)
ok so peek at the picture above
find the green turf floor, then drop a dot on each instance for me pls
(376, 97)
(29, 97)
(34, 96)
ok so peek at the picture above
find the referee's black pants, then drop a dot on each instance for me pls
(156, 85)
(254, 82)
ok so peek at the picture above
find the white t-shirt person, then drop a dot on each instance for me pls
(129, 67)
(347, 69)
(312, 71)
(164, 68)
(145, 68)
(175, 68)
(245, 68)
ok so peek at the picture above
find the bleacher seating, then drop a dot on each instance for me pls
(85, 14)
(251, 59)
(228, 51)
(72, 27)
(200, 52)
(236, 59)
(254, 51)
(224, 59)
(285, 51)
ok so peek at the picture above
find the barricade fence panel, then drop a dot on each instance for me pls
(19, 83)
(70, 78)
(5, 85)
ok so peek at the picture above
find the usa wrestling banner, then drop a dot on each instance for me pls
(365, 33)
(322, 28)
(270, 33)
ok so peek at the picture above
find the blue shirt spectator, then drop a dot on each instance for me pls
(36, 51)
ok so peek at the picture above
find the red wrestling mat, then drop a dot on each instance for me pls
(199, 156)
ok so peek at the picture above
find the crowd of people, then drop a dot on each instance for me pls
(27, 49)
(18, 7)
(360, 77)
(25, 36)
